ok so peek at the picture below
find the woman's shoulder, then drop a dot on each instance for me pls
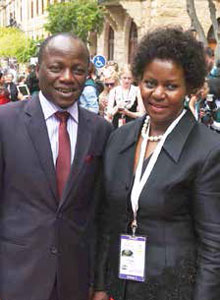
(128, 131)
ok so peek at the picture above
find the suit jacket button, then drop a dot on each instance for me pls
(54, 250)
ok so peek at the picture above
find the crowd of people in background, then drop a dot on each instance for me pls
(112, 93)
(205, 103)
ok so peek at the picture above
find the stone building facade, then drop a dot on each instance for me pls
(29, 15)
(125, 22)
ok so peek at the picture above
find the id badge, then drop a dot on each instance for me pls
(132, 257)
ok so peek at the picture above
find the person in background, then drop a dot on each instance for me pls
(112, 66)
(90, 93)
(32, 80)
(4, 93)
(11, 87)
(110, 80)
(50, 173)
(209, 59)
(159, 225)
(21, 79)
(125, 102)
(197, 101)
(214, 104)
(12, 70)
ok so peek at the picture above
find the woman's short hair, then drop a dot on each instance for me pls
(175, 44)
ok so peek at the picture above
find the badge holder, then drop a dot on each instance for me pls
(132, 256)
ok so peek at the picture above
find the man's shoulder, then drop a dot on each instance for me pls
(95, 118)
(13, 108)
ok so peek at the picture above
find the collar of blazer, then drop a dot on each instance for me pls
(174, 142)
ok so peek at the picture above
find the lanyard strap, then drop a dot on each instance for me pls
(139, 181)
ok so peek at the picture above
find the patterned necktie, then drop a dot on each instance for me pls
(64, 154)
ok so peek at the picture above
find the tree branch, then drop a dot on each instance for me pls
(190, 7)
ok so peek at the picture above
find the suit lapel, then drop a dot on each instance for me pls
(127, 151)
(176, 140)
(173, 145)
(37, 130)
(82, 147)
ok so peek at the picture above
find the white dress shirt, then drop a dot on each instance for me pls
(52, 123)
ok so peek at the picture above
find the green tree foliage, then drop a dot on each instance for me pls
(15, 44)
(77, 16)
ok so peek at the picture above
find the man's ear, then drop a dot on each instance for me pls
(37, 70)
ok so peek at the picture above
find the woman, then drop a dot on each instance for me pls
(162, 175)
(4, 93)
(110, 80)
(125, 103)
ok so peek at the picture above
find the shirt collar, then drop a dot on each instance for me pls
(49, 108)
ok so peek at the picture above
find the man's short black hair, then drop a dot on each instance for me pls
(46, 42)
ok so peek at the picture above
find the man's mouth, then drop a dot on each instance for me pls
(65, 91)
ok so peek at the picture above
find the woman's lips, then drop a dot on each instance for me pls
(157, 107)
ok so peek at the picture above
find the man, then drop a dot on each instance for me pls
(11, 87)
(90, 93)
(32, 80)
(210, 59)
(46, 208)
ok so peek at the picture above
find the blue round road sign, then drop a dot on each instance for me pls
(99, 61)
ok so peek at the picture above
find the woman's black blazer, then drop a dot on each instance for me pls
(179, 212)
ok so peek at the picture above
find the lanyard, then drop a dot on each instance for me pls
(139, 181)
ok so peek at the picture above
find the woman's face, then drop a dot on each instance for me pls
(126, 80)
(163, 90)
(109, 83)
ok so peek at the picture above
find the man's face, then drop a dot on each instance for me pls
(63, 70)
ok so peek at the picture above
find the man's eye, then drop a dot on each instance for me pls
(55, 68)
(79, 71)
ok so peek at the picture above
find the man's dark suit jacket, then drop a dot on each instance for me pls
(40, 237)
(179, 212)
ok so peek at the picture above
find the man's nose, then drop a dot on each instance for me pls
(67, 75)
(159, 92)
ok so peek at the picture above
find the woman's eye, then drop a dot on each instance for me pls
(149, 84)
(171, 87)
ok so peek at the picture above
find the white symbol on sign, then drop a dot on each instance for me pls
(98, 62)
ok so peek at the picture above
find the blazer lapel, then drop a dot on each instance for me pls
(127, 150)
(82, 148)
(175, 141)
(37, 129)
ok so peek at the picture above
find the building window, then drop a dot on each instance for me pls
(37, 7)
(133, 39)
(32, 9)
(21, 13)
(110, 44)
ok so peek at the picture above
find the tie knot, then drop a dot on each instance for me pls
(62, 116)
